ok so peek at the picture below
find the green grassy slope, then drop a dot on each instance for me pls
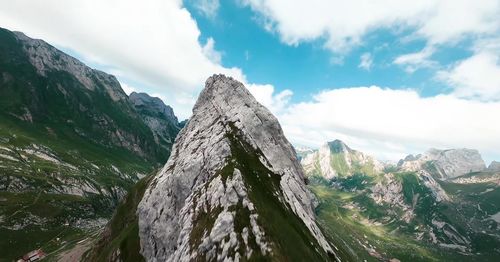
(35, 213)
(371, 231)
(121, 234)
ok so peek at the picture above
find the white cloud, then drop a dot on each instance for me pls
(208, 8)
(345, 23)
(127, 89)
(417, 60)
(266, 96)
(210, 52)
(153, 42)
(477, 77)
(366, 61)
(392, 123)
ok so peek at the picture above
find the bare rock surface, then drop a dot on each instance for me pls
(194, 207)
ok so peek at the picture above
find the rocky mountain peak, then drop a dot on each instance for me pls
(153, 106)
(232, 188)
(337, 146)
(159, 117)
(335, 159)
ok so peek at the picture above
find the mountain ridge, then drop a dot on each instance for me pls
(230, 149)
(71, 144)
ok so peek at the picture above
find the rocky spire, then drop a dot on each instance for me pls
(232, 188)
(335, 158)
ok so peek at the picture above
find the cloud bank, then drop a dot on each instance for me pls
(391, 123)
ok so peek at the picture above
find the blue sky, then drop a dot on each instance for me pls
(307, 68)
(387, 77)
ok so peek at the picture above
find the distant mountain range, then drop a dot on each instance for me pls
(71, 144)
(439, 205)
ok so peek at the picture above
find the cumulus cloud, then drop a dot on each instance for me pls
(153, 42)
(344, 23)
(210, 52)
(391, 123)
(265, 94)
(366, 61)
(477, 77)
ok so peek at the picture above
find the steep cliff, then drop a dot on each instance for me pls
(233, 188)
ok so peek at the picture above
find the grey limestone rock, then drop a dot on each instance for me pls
(189, 209)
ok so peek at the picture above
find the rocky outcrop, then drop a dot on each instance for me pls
(232, 186)
(437, 191)
(390, 191)
(335, 159)
(445, 164)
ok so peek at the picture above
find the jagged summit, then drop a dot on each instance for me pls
(232, 189)
(152, 105)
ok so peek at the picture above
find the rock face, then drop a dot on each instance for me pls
(390, 191)
(335, 159)
(232, 189)
(445, 164)
(46, 59)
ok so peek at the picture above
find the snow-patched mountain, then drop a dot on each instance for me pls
(232, 189)
(445, 164)
(336, 159)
